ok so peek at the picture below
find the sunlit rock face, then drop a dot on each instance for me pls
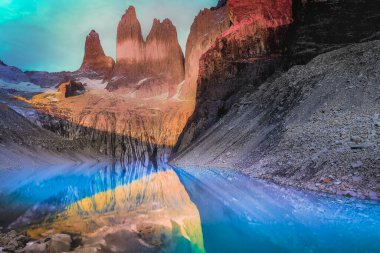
(207, 26)
(129, 47)
(239, 59)
(94, 57)
(163, 54)
(122, 127)
(147, 68)
(129, 209)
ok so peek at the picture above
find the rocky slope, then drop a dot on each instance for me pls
(26, 145)
(147, 68)
(315, 127)
(94, 57)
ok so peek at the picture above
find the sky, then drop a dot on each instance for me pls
(49, 35)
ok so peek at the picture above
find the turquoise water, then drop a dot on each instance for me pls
(241, 215)
(237, 214)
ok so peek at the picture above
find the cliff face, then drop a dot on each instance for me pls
(269, 36)
(148, 68)
(163, 54)
(94, 57)
(240, 58)
(323, 26)
(129, 47)
(207, 26)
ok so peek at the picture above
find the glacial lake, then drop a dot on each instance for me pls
(139, 208)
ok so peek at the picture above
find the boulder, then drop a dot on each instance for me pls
(59, 243)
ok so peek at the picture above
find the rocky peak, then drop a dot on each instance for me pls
(129, 26)
(163, 54)
(94, 57)
(129, 46)
(160, 59)
(161, 30)
(2, 63)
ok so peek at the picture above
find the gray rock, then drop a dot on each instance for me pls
(59, 243)
(357, 164)
(36, 247)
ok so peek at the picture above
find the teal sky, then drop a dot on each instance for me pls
(50, 34)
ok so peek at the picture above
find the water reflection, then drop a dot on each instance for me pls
(135, 208)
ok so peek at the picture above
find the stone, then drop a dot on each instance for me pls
(326, 180)
(357, 164)
(59, 243)
(36, 247)
(356, 179)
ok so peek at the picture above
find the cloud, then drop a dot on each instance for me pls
(50, 34)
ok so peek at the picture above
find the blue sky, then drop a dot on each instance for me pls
(50, 34)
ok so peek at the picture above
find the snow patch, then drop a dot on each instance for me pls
(22, 86)
(143, 81)
(93, 84)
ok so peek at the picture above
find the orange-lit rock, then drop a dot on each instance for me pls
(130, 56)
(269, 13)
(147, 68)
(115, 124)
(94, 57)
(207, 26)
(163, 54)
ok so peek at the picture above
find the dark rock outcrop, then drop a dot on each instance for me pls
(71, 88)
(323, 26)
(94, 57)
(151, 67)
